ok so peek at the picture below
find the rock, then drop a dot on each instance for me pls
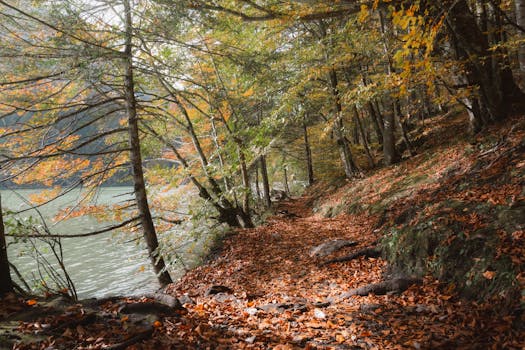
(329, 247)
(369, 307)
(166, 299)
(281, 307)
(146, 308)
(185, 299)
(250, 340)
(277, 307)
(319, 314)
(216, 289)
(224, 297)
(251, 311)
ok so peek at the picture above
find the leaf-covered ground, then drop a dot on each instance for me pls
(271, 293)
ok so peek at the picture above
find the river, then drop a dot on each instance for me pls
(101, 265)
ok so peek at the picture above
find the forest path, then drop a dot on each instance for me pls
(277, 292)
(265, 291)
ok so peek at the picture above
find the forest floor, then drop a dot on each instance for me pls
(267, 289)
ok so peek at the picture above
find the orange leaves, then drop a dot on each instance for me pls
(248, 92)
(45, 195)
(489, 274)
(48, 170)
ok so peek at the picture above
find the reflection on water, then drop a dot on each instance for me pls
(101, 265)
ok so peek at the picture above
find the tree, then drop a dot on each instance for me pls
(148, 227)
(102, 90)
(6, 284)
(520, 21)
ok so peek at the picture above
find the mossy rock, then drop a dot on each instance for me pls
(454, 257)
(465, 262)
(409, 249)
(511, 219)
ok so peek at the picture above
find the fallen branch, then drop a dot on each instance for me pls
(370, 252)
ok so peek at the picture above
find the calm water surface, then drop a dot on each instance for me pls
(101, 265)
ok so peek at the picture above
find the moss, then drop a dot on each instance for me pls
(409, 249)
(451, 254)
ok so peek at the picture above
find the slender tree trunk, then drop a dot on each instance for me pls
(378, 126)
(308, 154)
(245, 181)
(6, 285)
(266, 184)
(363, 136)
(141, 198)
(377, 105)
(355, 135)
(520, 20)
(342, 142)
(390, 154)
(404, 132)
(217, 146)
(257, 188)
(285, 179)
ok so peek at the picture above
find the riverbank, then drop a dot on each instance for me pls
(315, 275)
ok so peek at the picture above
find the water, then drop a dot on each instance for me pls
(101, 265)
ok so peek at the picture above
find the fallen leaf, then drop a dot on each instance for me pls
(489, 274)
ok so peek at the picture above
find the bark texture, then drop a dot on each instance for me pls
(150, 235)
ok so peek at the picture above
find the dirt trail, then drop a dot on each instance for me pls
(269, 293)
(278, 294)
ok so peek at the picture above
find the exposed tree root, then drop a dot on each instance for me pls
(133, 340)
(330, 247)
(88, 318)
(370, 252)
(395, 285)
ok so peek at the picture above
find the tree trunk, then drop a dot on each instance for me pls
(390, 154)
(6, 285)
(483, 69)
(266, 184)
(520, 21)
(378, 126)
(245, 181)
(285, 179)
(344, 147)
(257, 188)
(146, 220)
(404, 132)
(363, 136)
(308, 154)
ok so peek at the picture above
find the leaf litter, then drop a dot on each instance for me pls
(270, 293)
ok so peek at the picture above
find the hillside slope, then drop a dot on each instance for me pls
(452, 216)
(426, 254)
